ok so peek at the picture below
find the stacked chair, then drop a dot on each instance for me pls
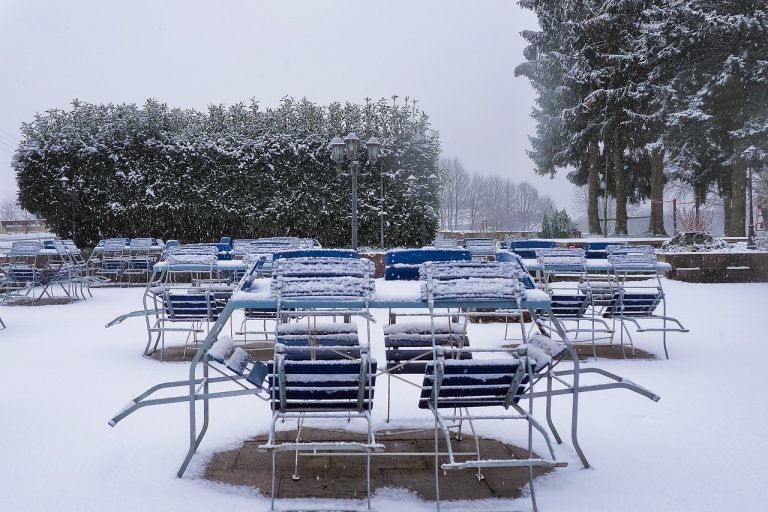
(637, 293)
(140, 259)
(113, 259)
(32, 266)
(184, 297)
(564, 277)
(453, 386)
(483, 249)
(526, 249)
(321, 371)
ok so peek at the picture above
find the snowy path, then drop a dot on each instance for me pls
(700, 448)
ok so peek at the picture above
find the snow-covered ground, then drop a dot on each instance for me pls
(702, 447)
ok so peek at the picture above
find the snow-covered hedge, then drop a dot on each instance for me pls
(239, 171)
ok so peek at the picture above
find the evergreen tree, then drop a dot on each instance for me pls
(240, 171)
(556, 224)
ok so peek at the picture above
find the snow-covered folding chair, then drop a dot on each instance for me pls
(180, 307)
(474, 284)
(321, 374)
(25, 270)
(409, 346)
(232, 366)
(481, 248)
(320, 389)
(140, 260)
(78, 267)
(526, 249)
(459, 385)
(269, 314)
(565, 279)
(113, 259)
(639, 294)
(196, 308)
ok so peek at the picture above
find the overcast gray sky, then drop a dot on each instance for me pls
(456, 57)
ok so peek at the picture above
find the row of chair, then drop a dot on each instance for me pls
(630, 293)
(34, 269)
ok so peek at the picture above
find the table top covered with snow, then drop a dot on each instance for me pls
(386, 294)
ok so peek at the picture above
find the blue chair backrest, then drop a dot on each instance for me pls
(172, 243)
(339, 385)
(505, 256)
(527, 248)
(316, 253)
(403, 264)
(226, 240)
(474, 383)
(598, 250)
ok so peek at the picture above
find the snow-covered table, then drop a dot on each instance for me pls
(387, 294)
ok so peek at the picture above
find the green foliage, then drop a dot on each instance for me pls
(239, 171)
(556, 224)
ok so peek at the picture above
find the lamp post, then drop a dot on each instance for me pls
(72, 190)
(751, 156)
(349, 146)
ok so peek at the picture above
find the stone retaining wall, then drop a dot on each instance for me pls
(732, 267)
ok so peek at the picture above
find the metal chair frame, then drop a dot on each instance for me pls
(636, 298)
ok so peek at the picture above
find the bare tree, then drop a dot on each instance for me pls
(468, 199)
(474, 199)
(455, 181)
(9, 208)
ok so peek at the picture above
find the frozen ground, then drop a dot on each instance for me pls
(702, 447)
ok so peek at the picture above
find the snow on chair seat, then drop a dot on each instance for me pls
(224, 352)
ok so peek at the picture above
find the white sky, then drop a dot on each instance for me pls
(456, 57)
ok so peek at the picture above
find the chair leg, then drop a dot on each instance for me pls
(479, 475)
(549, 409)
(295, 475)
(437, 467)
(389, 395)
(368, 478)
(272, 501)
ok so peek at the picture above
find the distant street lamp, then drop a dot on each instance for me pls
(73, 191)
(751, 155)
(350, 145)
